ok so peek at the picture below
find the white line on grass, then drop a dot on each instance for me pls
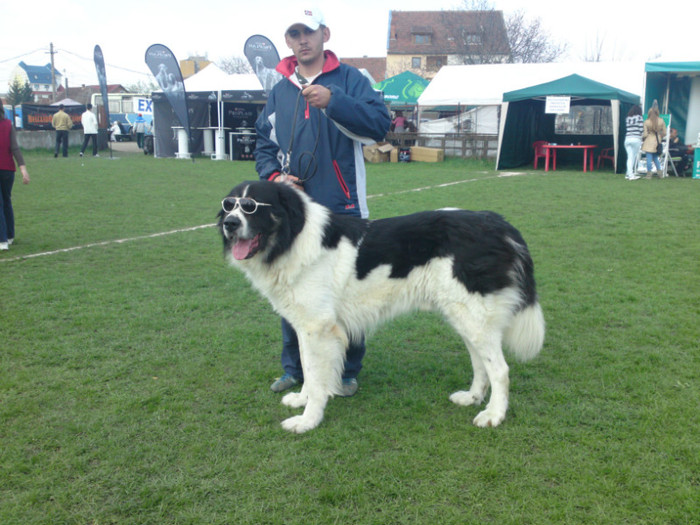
(182, 230)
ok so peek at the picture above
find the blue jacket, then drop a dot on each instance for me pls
(327, 144)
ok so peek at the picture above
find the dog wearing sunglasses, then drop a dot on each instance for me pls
(334, 277)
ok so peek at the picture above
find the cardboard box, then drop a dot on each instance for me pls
(394, 155)
(423, 154)
(379, 152)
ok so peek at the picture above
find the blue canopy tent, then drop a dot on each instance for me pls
(676, 87)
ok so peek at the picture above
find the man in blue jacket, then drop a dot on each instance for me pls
(311, 134)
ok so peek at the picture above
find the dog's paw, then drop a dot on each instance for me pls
(295, 400)
(299, 424)
(489, 418)
(465, 398)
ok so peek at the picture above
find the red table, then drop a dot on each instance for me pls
(587, 154)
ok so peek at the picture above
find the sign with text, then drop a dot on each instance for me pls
(557, 105)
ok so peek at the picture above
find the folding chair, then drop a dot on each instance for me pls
(607, 154)
(540, 152)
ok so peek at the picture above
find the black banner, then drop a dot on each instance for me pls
(162, 63)
(35, 116)
(102, 78)
(263, 58)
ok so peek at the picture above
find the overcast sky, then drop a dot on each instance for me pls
(125, 28)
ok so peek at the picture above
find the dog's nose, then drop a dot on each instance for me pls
(232, 223)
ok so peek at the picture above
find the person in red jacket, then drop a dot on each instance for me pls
(9, 153)
(311, 134)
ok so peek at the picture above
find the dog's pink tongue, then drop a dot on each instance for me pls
(242, 248)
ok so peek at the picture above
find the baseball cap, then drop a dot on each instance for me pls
(311, 17)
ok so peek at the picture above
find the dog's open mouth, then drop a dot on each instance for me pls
(246, 248)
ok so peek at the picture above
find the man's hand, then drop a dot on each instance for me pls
(290, 179)
(317, 96)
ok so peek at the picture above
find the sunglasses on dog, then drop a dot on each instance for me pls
(246, 204)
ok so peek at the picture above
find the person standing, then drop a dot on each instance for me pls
(9, 154)
(310, 134)
(653, 135)
(399, 124)
(89, 122)
(633, 139)
(62, 123)
(139, 129)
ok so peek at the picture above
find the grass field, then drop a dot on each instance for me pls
(134, 375)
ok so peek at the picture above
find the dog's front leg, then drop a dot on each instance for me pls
(322, 352)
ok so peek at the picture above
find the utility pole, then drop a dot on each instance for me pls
(53, 74)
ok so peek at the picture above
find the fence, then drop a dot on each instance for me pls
(464, 145)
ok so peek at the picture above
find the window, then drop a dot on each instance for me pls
(434, 63)
(585, 120)
(415, 63)
(473, 39)
(422, 39)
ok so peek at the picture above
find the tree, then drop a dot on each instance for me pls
(234, 65)
(529, 43)
(19, 93)
(142, 86)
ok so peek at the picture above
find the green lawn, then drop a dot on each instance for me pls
(134, 375)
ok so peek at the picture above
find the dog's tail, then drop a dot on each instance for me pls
(525, 335)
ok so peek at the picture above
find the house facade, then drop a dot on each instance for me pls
(39, 78)
(424, 41)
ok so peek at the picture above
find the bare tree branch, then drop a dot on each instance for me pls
(234, 65)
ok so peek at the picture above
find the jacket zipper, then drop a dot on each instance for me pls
(341, 180)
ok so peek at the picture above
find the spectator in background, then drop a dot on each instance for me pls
(89, 122)
(139, 130)
(9, 153)
(653, 135)
(62, 123)
(399, 124)
(115, 131)
(677, 149)
(633, 139)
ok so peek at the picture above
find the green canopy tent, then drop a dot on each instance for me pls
(402, 91)
(676, 87)
(524, 121)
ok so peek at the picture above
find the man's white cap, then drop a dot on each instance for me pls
(311, 17)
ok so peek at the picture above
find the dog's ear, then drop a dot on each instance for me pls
(290, 216)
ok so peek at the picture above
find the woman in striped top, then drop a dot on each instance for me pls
(633, 139)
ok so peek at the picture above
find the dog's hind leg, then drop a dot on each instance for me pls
(322, 352)
(497, 370)
(484, 344)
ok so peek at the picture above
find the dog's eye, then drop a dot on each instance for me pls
(248, 205)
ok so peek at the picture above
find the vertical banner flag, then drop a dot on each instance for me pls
(102, 77)
(263, 58)
(162, 63)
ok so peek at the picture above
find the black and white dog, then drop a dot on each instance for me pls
(334, 277)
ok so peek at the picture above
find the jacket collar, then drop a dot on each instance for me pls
(287, 65)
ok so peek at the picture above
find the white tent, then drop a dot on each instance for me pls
(66, 102)
(482, 121)
(484, 85)
(211, 78)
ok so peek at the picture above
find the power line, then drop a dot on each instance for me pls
(110, 65)
(22, 55)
